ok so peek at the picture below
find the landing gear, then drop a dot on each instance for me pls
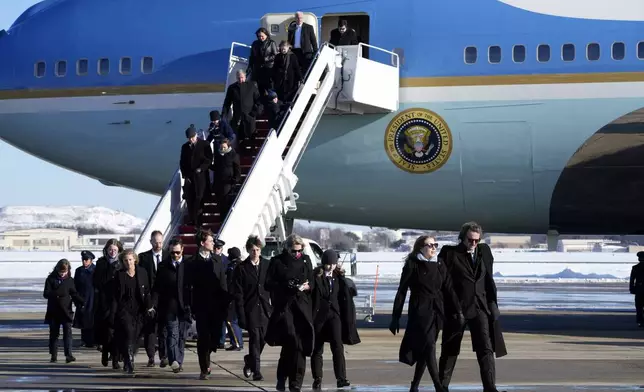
(553, 240)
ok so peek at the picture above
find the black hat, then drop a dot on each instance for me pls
(219, 243)
(234, 253)
(640, 256)
(86, 255)
(191, 131)
(214, 115)
(271, 94)
(329, 257)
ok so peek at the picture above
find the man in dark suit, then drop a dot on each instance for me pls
(150, 261)
(210, 299)
(171, 298)
(470, 266)
(636, 287)
(302, 38)
(196, 158)
(244, 98)
(252, 304)
(343, 35)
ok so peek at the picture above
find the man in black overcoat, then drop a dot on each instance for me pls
(171, 298)
(244, 98)
(470, 266)
(343, 35)
(153, 332)
(636, 287)
(195, 161)
(210, 298)
(332, 318)
(252, 304)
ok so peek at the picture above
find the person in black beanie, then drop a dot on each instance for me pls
(219, 129)
(334, 317)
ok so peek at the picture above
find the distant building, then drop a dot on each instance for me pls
(39, 240)
(98, 241)
(589, 245)
(509, 241)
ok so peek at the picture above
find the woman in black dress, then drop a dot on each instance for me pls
(431, 293)
(130, 306)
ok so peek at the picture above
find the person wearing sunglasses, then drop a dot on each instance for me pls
(431, 291)
(289, 279)
(171, 298)
(470, 266)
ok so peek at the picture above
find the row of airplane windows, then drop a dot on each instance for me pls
(102, 67)
(593, 53)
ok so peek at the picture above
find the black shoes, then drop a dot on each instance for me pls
(258, 377)
(343, 383)
(151, 362)
(317, 384)
(70, 359)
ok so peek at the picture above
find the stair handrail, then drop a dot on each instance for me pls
(306, 76)
(148, 229)
(245, 183)
(289, 125)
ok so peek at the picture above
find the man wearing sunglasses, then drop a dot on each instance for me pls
(470, 265)
(170, 296)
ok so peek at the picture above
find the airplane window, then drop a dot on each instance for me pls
(592, 52)
(39, 69)
(103, 66)
(61, 69)
(494, 54)
(82, 67)
(619, 51)
(543, 53)
(470, 55)
(640, 50)
(568, 52)
(126, 66)
(518, 53)
(147, 65)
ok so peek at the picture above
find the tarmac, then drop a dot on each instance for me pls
(548, 351)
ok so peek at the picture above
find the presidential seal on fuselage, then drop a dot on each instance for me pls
(418, 141)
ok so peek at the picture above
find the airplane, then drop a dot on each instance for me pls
(537, 106)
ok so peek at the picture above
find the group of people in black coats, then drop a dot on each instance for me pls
(449, 291)
(285, 301)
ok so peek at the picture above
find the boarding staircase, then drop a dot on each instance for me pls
(268, 162)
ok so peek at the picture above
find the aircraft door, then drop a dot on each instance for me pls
(279, 24)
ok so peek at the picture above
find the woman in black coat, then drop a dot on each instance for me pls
(289, 279)
(430, 286)
(106, 269)
(60, 292)
(83, 279)
(287, 74)
(262, 57)
(131, 305)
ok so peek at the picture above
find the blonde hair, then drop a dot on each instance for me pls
(128, 252)
(294, 239)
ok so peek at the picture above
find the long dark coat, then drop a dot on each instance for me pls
(251, 300)
(291, 323)
(244, 98)
(59, 294)
(475, 288)
(103, 278)
(287, 75)
(430, 286)
(84, 281)
(346, 291)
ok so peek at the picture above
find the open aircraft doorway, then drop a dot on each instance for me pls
(358, 21)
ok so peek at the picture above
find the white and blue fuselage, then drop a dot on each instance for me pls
(542, 99)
